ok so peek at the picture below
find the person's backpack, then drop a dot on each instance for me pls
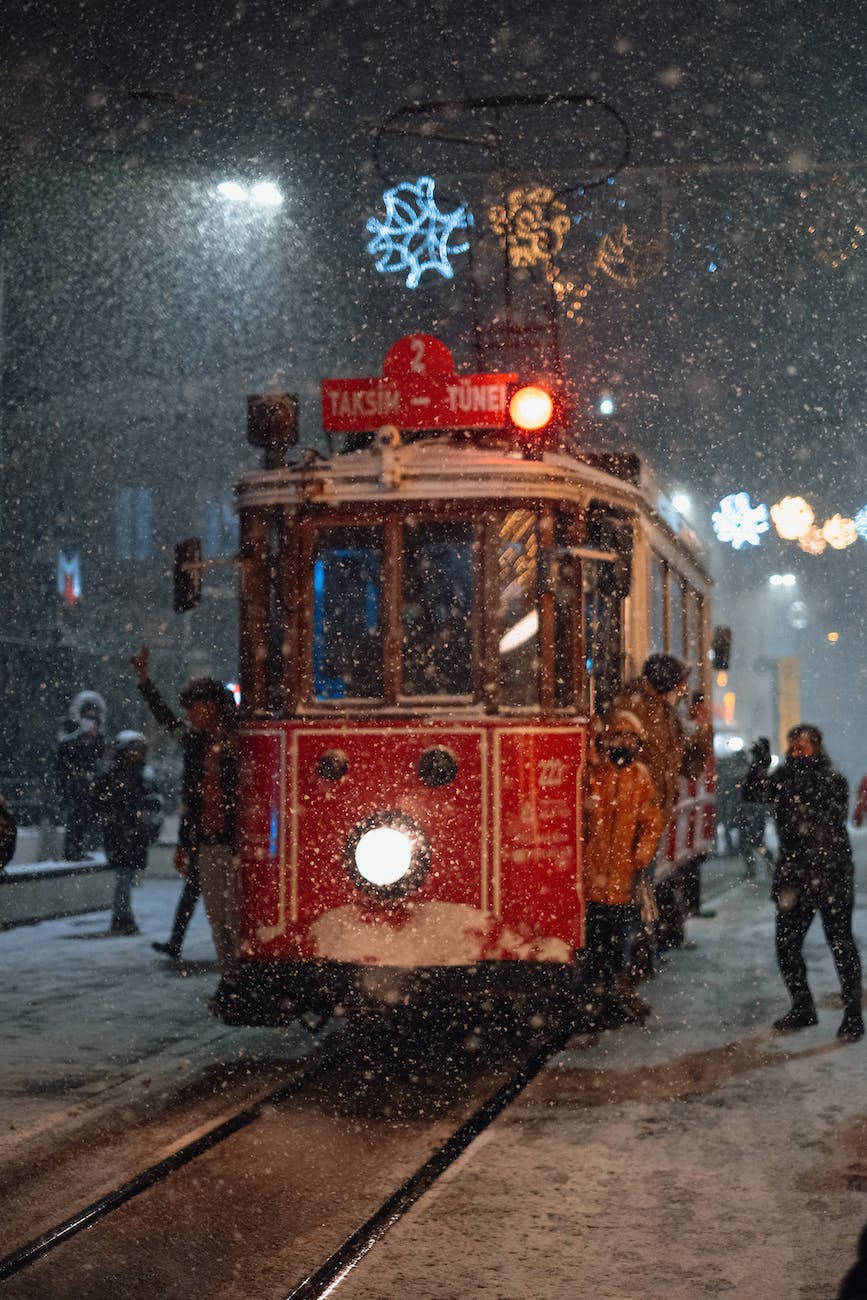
(8, 833)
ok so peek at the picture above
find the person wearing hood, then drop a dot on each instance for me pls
(128, 808)
(623, 826)
(80, 752)
(809, 801)
(672, 746)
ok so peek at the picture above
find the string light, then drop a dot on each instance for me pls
(839, 532)
(531, 225)
(792, 517)
(812, 542)
(627, 260)
(739, 522)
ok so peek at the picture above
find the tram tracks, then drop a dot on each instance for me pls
(118, 1236)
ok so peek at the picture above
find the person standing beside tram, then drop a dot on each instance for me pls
(622, 829)
(670, 748)
(207, 831)
(809, 801)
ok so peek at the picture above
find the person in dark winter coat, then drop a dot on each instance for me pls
(206, 836)
(8, 833)
(127, 806)
(80, 752)
(809, 801)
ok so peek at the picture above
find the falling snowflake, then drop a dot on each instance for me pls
(415, 234)
(738, 522)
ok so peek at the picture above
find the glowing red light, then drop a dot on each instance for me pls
(531, 408)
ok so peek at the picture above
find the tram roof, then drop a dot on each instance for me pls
(437, 470)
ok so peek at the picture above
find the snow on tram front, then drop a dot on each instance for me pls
(428, 619)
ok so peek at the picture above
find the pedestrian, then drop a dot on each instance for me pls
(622, 830)
(206, 838)
(8, 833)
(751, 823)
(860, 811)
(814, 873)
(127, 806)
(672, 746)
(80, 752)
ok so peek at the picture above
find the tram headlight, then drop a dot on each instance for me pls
(388, 854)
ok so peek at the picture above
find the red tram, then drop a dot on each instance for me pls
(428, 620)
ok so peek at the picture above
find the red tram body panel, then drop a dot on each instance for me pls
(503, 882)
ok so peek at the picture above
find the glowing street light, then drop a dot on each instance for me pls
(264, 194)
(782, 579)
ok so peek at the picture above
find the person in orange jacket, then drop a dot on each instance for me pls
(623, 826)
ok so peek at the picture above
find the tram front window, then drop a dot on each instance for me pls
(437, 609)
(347, 614)
(519, 608)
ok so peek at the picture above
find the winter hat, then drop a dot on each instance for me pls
(124, 739)
(625, 719)
(813, 734)
(664, 672)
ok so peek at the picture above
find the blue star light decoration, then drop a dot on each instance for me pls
(415, 235)
(738, 522)
(860, 522)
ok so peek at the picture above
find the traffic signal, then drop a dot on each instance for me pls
(187, 575)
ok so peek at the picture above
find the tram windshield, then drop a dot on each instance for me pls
(438, 581)
(347, 614)
(518, 555)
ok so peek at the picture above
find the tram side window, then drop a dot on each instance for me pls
(658, 643)
(678, 640)
(437, 609)
(518, 554)
(603, 631)
(348, 614)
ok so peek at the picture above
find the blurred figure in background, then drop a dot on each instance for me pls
(129, 809)
(860, 811)
(80, 751)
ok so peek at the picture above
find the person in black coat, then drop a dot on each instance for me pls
(809, 801)
(127, 806)
(206, 837)
(80, 752)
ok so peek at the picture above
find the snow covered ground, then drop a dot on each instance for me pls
(702, 1155)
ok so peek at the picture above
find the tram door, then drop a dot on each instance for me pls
(602, 583)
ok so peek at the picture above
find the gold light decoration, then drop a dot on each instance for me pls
(839, 532)
(627, 260)
(836, 219)
(813, 541)
(531, 225)
(792, 517)
(574, 295)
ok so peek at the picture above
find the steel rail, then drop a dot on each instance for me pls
(99, 1209)
(328, 1277)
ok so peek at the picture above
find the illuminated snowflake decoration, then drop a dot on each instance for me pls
(415, 234)
(860, 522)
(531, 225)
(738, 522)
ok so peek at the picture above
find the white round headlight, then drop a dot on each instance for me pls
(388, 854)
(383, 855)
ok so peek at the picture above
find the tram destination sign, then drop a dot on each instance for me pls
(418, 389)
